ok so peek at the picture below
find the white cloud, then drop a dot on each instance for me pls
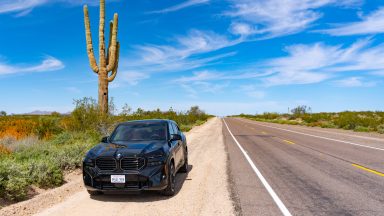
(7, 6)
(275, 18)
(186, 4)
(318, 62)
(132, 77)
(183, 55)
(48, 64)
(240, 74)
(193, 89)
(242, 29)
(354, 82)
(252, 92)
(370, 24)
(304, 64)
(24, 7)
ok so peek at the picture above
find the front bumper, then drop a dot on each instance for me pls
(149, 178)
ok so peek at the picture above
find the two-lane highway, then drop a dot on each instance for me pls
(281, 169)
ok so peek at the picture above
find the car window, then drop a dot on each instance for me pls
(175, 128)
(171, 128)
(139, 132)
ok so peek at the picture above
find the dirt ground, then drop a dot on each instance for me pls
(203, 191)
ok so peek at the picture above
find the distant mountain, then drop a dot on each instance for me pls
(39, 112)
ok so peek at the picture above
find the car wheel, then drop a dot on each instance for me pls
(170, 190)
(94, 193)
(184, 168)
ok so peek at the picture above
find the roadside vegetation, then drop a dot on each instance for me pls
(36, 151)
(357, 121)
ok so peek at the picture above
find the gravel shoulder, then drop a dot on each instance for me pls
(203, 191)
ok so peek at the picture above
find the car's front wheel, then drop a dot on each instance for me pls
(170, 189)
(184, 168)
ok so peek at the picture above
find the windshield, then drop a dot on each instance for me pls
(139, 132)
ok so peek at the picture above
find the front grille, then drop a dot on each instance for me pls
(106, 164)
(132, 163)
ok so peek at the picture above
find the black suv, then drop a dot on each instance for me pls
(139, 155)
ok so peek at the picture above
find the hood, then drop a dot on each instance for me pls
(126, 149)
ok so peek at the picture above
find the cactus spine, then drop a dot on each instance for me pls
(107, 64)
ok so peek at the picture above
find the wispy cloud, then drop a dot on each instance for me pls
(354, 82)
(48, 64)
(182, 55)
(317, 62)
(305, 64)
(186, 4)
(193, 89)
(24, 7)
(252, 91)
(131, 78)
(370, 24)
(275, 18)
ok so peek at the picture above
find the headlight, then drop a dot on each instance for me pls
(155, 158)
(89, 162)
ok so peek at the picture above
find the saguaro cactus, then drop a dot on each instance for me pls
(107, 68)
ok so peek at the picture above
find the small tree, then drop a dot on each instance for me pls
(301, 110)
(126, 110)
(3, 113)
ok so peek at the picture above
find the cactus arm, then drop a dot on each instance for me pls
(113, 50)
(88, 36)
(110, 40)
(114, 71)
(102, 60)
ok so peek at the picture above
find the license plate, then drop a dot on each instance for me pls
(117, 178)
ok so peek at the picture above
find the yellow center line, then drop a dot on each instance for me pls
(289, 142)
(368, 170)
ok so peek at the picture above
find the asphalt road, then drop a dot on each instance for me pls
(292, 170)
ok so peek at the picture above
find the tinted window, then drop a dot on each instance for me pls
(171, 129)
(175, 128)
(139, 132)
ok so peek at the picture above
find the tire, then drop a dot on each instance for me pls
(184, 168)
(94, 193)
(170, 190)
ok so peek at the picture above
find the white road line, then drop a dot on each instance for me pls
(346, 142)
(274, 196)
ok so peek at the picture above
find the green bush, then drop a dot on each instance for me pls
(380, 128)
(358, 121)
(14, 182)
(45, 173)
(363, 129)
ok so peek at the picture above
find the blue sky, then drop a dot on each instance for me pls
(227, 56)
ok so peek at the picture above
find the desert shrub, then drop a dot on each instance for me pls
(18, 145)
(380, 128)
(17, 128)
(70, 157)
(47, 127)
(62, 138)
(13, 180)
(87, 117)
(45, 173)
(4, 151)
(300, 111)
(363, 129)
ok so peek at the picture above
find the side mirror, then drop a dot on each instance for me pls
(105, 139)
(175, 137)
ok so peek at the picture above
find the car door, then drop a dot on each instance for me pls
(180, 150)
(174, 145)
